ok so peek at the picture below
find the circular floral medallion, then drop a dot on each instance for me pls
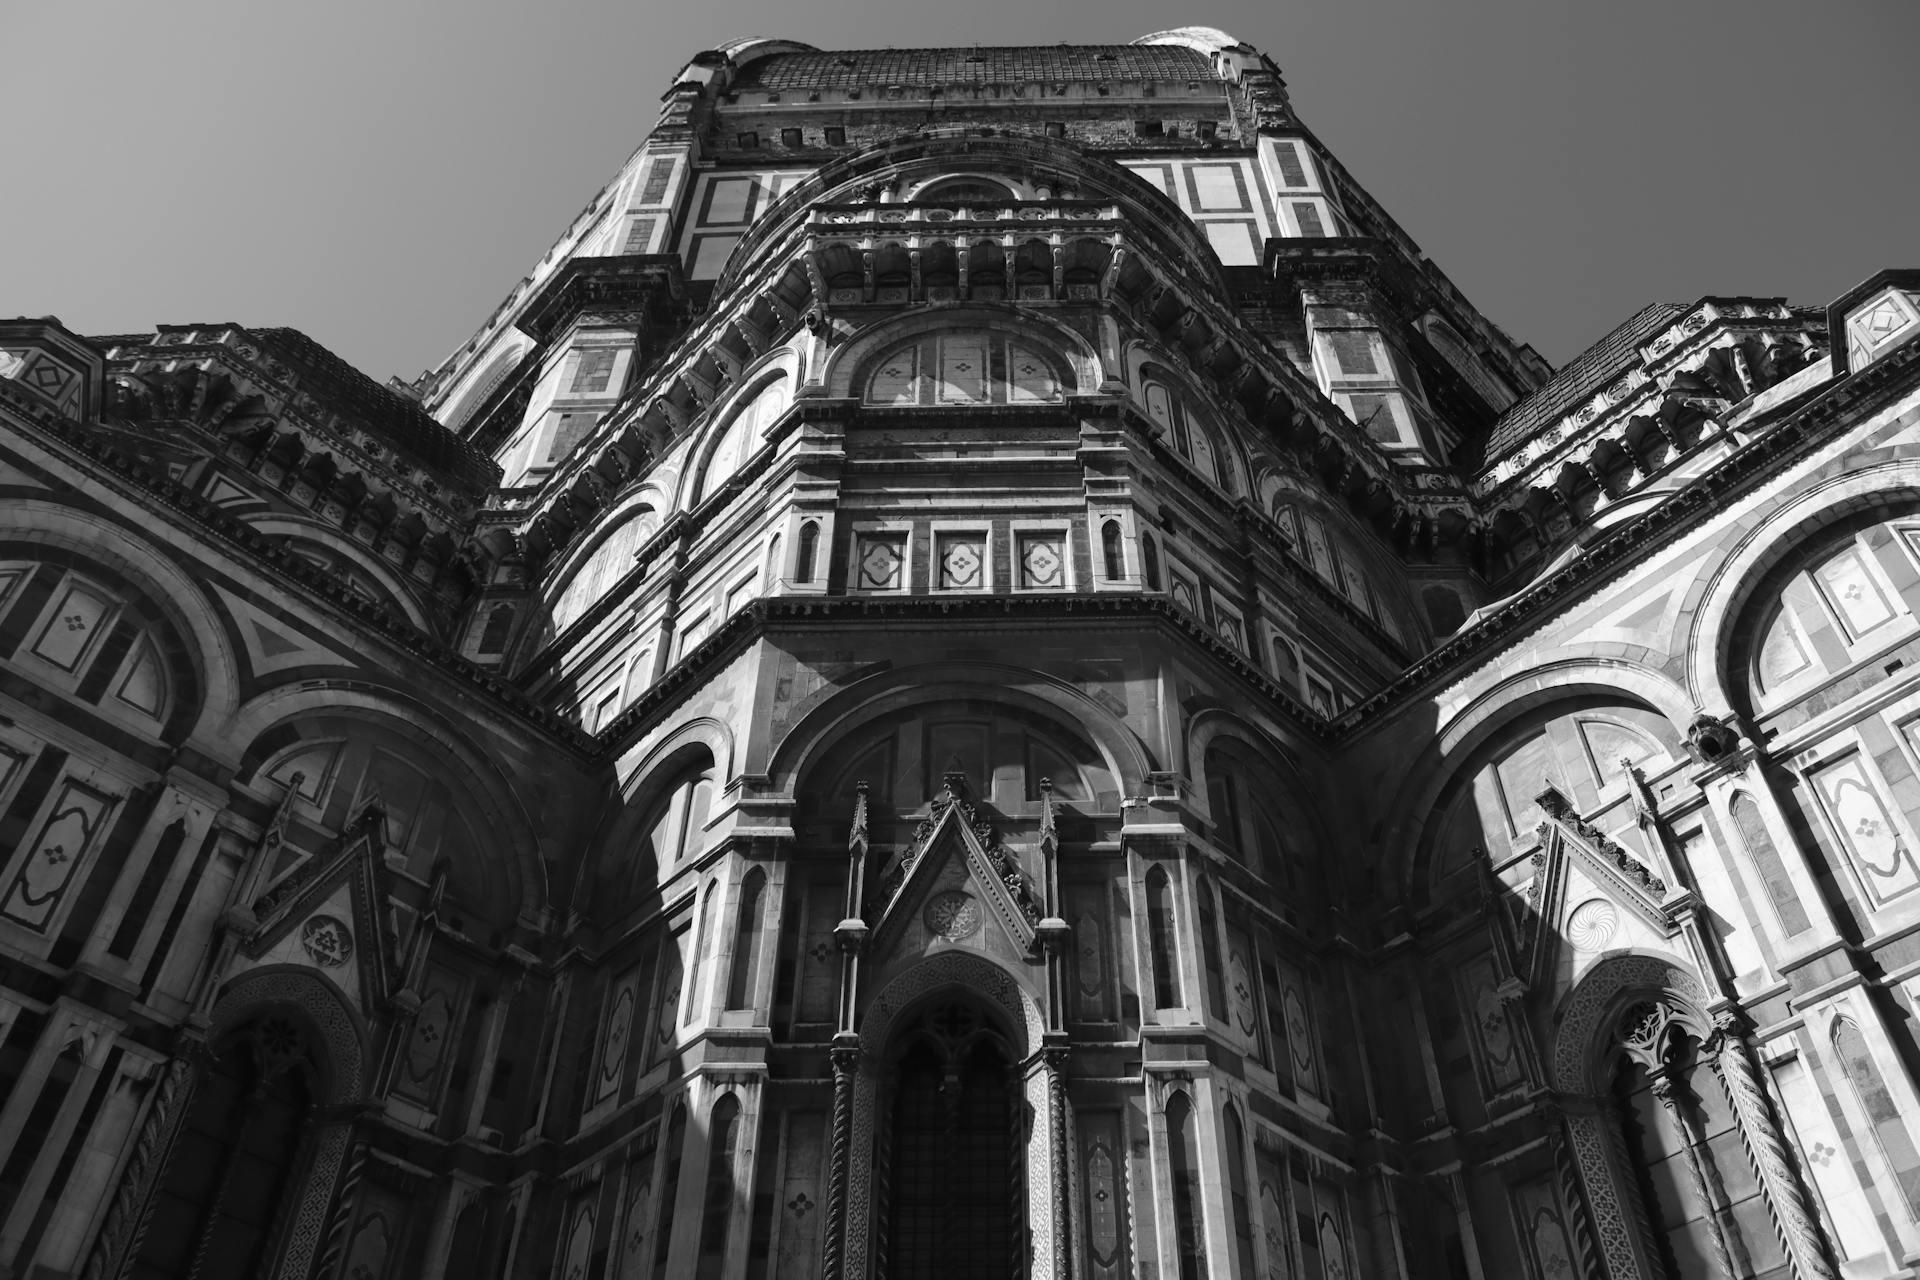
(952, 915)
(328, 941)
(1591, 926)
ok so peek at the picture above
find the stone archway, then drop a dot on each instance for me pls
(992, 988)
(282, 1049)
(1626, 987)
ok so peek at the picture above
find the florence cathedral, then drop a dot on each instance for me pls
(984, 672)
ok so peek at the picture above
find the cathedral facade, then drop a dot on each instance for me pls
(984, 672)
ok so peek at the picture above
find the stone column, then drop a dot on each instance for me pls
(126, 1216)
(456, 1196)
(96, 1043)
(1665, 1089)
(1055, 1058)
(1793, 1215)
(67, 1020)
(846, 1060)
(85, 1200)
(194, 803)
(491, 1033)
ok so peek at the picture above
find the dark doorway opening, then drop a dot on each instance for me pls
(958, 1154)
(216, 1210)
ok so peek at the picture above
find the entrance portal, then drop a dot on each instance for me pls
(232, 1161)
(958, 1152)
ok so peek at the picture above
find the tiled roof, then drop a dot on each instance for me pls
(1585, 374)
(860, 68)
(401, 423)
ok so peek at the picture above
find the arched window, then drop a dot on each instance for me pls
(1577, 748)
(1223, 803)
(1160, 935)
(965, 190)
(1229, 474)
(92, 637)
(1243, 795)
(1165, 413)
(772, 574)
(961, 368)
(1839, 602)
(499, 624)
(742, 438)
(669, 1187)
(717, 1212)
(1210, 954)
(1150, 561)
(1445, 613)
(1113, 563)
(1204, 456)
(690, 1010)
(675, 823)
(1455, 352)
(748, 945)
(1236, 1140)
(1286, 664)
(611, 561)
(804, 554)
(1773, 868)
(1184, 1166)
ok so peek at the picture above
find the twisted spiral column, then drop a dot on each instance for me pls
(133, 1203)
(1668, 1092)
(832, 1259)
(349, 1190)
(1793, 1216)
(1056, 1063)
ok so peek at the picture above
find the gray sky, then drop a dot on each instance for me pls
(379, 173)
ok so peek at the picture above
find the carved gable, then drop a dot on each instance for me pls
(951, 880)
(330, 914)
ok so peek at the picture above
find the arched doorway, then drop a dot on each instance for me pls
(219, 1205)
(1705, 1209)
(1670, 1125)
(956, 1144)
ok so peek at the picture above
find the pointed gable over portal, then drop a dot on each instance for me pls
(949, 883)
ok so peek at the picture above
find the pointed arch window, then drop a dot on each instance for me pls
(703, 951)
(1160, 935)
(1112, 561)
(748, 944)
(1210, 954)
(1883, 1113)
(804, 556)
(669, 1187)
(1183, 1165)
(1236, 1139)
(717, 1212)
(675, 825)
(1150, 561)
